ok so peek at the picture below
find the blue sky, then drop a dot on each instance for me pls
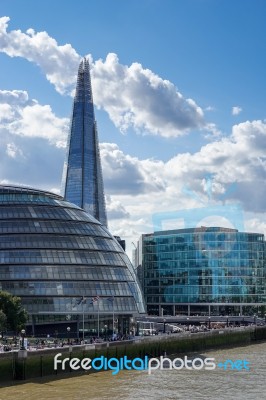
(180, 96)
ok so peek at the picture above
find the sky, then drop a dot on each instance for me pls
(179, 90)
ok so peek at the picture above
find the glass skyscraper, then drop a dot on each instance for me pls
(203, 271)
(82, 182)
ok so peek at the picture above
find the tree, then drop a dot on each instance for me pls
(2, 321)
(16, 316)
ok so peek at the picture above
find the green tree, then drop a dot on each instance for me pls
(16, 316)
(2, 321)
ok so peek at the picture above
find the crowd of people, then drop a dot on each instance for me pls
(14, 343)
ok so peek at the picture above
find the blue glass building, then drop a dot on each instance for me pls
(202, 271)
(64, 265)
(82, 182)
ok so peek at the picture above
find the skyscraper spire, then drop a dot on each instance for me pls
(82, 182)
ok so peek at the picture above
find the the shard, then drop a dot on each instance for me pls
(82, 182)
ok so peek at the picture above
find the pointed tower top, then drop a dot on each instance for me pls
(83, 88)
(82, 182)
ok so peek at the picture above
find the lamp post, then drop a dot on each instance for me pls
(22, 347)
(105, 331)
(68, 334)
(132, 326)
(83, 317)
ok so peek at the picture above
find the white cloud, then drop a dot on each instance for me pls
(136, 97)
(30, 160)
(237, 160)
(212, 131)
(125, 174)
(24, 117)
(4, 182)
(13, 151)
(31, 140)
(236, 110)
(256, 224)
(229, 171)
(115, 209)
(210, 108)
(55, 190)
(59, 63)
(133, 97)
(40, 121)
(13, 97)
(6, 112)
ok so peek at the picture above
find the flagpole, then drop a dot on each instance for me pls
(98, 318)
(113, 317)
(83, 318)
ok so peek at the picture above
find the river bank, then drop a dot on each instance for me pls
(40, 364)
(168, 384)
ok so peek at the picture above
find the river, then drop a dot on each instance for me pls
(218, 384)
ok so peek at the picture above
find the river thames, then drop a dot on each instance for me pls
(168, 384)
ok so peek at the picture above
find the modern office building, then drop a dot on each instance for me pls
(82, 182)
(64, 264)
(202, 271)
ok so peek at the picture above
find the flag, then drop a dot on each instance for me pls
(81, 300)
(95, 299)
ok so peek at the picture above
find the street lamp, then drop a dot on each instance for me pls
(22, 347)
(105, 331)
(132, 326)
(68, 333)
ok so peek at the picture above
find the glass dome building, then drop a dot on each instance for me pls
(64, 265)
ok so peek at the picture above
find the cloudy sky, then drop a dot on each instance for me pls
(180, 95)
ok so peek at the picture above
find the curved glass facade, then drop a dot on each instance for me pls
(53, 255)
(220, 269)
